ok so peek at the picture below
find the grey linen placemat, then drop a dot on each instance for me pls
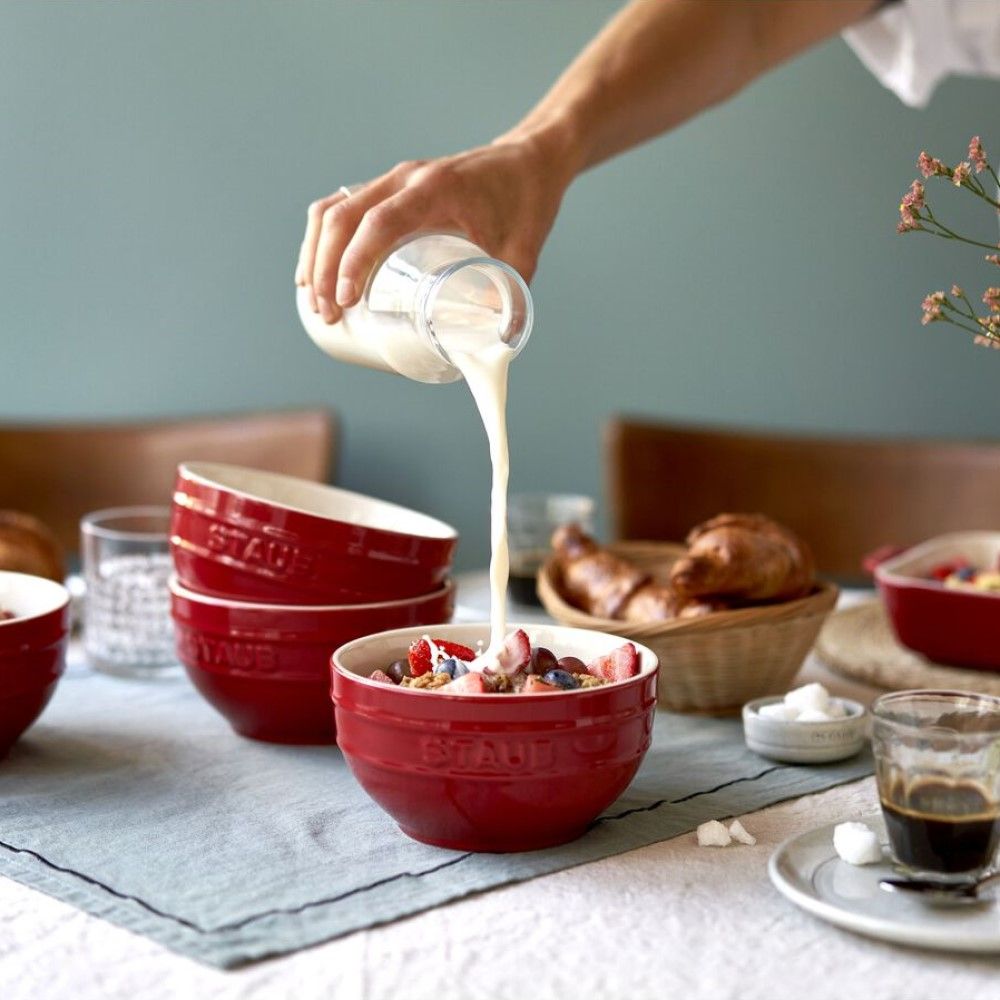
(135, 802)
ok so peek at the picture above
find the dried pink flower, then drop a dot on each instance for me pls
(960, 174)
(932, 307)
(993, 258)
(956, 290)
(930, 166)
(977, 154)
(992, 299)
(914, 198)
(908, 214)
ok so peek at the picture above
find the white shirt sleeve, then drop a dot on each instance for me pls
(913, 45)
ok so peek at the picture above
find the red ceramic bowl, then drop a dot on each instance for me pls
(266, 667)
(260, 536)
(958, 627)
(32, 650)
(491, 772)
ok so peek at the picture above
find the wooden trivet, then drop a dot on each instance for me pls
(859, 642)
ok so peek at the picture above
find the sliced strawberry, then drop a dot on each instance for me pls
(419, 657)
(618, 665)
(381, 677)
(470, 683)
(516, 652)
(456, 649)
(535, 685)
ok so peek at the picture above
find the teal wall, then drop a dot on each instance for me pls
(156, 160)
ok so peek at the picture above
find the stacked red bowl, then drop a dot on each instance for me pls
(273, 573)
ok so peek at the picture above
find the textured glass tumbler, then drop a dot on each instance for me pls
(127, 629)
(937, 763)
(531, 520)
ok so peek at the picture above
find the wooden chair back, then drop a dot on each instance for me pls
(845, 497)
(61, 472)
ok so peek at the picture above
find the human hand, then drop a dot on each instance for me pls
(504, 197)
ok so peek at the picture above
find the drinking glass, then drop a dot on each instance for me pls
(937, 764)
(127, 629)
(531, 519)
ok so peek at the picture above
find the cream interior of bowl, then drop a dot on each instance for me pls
(30, 596)
(317, 499)
(372, 652)
(980, 548)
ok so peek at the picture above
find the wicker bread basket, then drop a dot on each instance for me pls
(715, 663)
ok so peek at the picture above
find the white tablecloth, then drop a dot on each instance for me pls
(670, 920)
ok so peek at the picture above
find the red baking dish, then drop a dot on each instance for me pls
(959, 627)
(492, 772)
(32, 650)
(265, 667)
(261, 536)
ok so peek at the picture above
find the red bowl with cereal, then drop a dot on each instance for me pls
(943, 598)
(34, 630)
(265, 667)
(261, 536)
(477, 762)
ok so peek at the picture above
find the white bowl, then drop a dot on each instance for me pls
(805, 742)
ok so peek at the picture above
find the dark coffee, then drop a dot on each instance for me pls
(523, 587)
(523, 581)
(942, 827)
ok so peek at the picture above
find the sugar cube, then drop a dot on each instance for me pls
(713, 834)
(813, 696)
(836, 709)
(779, 710)
(856, 843)
(813, 715)
(739, 832)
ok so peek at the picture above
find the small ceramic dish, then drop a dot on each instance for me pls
(805, 742)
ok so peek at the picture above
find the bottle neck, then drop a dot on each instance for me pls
(471, 304)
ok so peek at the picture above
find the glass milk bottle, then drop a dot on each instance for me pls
(433, 291)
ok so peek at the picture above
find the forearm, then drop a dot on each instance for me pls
(659, 62)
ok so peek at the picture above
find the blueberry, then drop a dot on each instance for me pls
(448, 667)
(397, 670)
(572, 665)
(461, 669)
(965, 573)
(561, 678)
(542, 661)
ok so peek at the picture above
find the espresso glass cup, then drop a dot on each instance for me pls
(937, 764)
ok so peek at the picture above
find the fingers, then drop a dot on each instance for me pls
(307, 252)
(338, 225)
(381, 227)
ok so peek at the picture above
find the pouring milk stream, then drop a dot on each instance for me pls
(436, 310)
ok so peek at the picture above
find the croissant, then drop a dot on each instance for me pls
(743, 557)
(28, 546)
(602, 584)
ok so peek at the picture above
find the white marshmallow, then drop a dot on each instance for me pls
(779, 710)
(813, 696)
(739, 832)
(857, 844)
(812, 715)
(713, 834)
